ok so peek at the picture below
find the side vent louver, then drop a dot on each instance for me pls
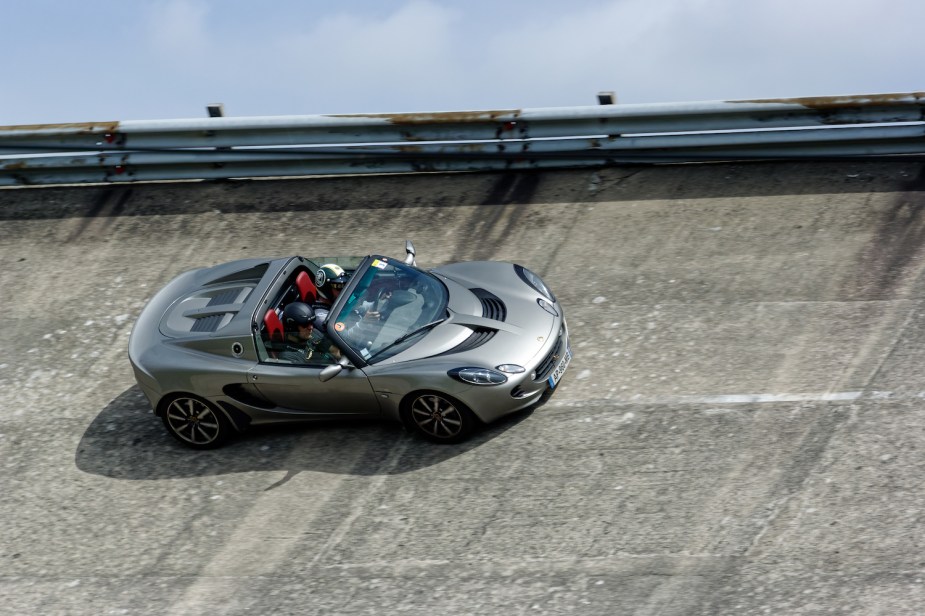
(475, 340)
(225, 297)
(207, 310)
(207, 324)
(492, 306)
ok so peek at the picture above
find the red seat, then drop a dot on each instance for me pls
(274, 326)
(307, 290)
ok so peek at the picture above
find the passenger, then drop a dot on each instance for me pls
(329, 280)
(300, 342)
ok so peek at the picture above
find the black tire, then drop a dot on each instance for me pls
(196, 423)
(438, 417)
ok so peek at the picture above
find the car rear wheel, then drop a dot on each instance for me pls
(196, 423)
(439, 418)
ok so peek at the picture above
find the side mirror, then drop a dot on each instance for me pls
(330, 372)
(409, 249)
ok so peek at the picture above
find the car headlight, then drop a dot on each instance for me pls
(511, 368)
(534, 281)
(547, 306)
(478, 376)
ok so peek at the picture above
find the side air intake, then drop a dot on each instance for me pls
(492, 306)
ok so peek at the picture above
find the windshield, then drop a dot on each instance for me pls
(389, 302)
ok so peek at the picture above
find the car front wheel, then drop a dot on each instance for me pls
(439, 418)
(196, 423)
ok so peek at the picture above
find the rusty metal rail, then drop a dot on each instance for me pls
(827, 127)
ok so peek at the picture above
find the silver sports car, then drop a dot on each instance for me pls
(270, 340)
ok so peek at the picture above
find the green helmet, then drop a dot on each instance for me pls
(330, 278)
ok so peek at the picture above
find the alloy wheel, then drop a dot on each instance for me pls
(437, 417)
(193, 421)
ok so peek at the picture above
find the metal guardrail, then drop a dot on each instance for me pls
(803, 128)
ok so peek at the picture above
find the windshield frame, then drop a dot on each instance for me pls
(343, 315)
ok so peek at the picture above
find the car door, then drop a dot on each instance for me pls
(298, 389)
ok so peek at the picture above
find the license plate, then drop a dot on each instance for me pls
(556, 375)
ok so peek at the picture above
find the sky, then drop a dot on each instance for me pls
(102, 60)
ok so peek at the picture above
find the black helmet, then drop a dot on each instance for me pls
(297, 313)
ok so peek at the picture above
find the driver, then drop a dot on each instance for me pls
(300, 341)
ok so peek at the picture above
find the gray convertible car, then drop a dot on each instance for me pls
(441, 351)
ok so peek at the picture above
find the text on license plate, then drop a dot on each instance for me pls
(560, 369)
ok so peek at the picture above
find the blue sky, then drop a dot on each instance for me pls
(94, 60)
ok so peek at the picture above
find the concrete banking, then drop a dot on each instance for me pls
(740, 432)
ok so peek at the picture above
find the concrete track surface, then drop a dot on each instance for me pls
(742, 430)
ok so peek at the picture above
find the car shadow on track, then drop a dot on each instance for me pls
(126, 441)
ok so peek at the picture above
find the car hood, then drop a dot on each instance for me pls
(494, 317)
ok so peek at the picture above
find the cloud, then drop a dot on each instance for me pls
(177, 28)
(416, 34)
(564, 59)
(686, 50)
(351, 57)
(429, 55)
(780, 48)
(317, 56)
